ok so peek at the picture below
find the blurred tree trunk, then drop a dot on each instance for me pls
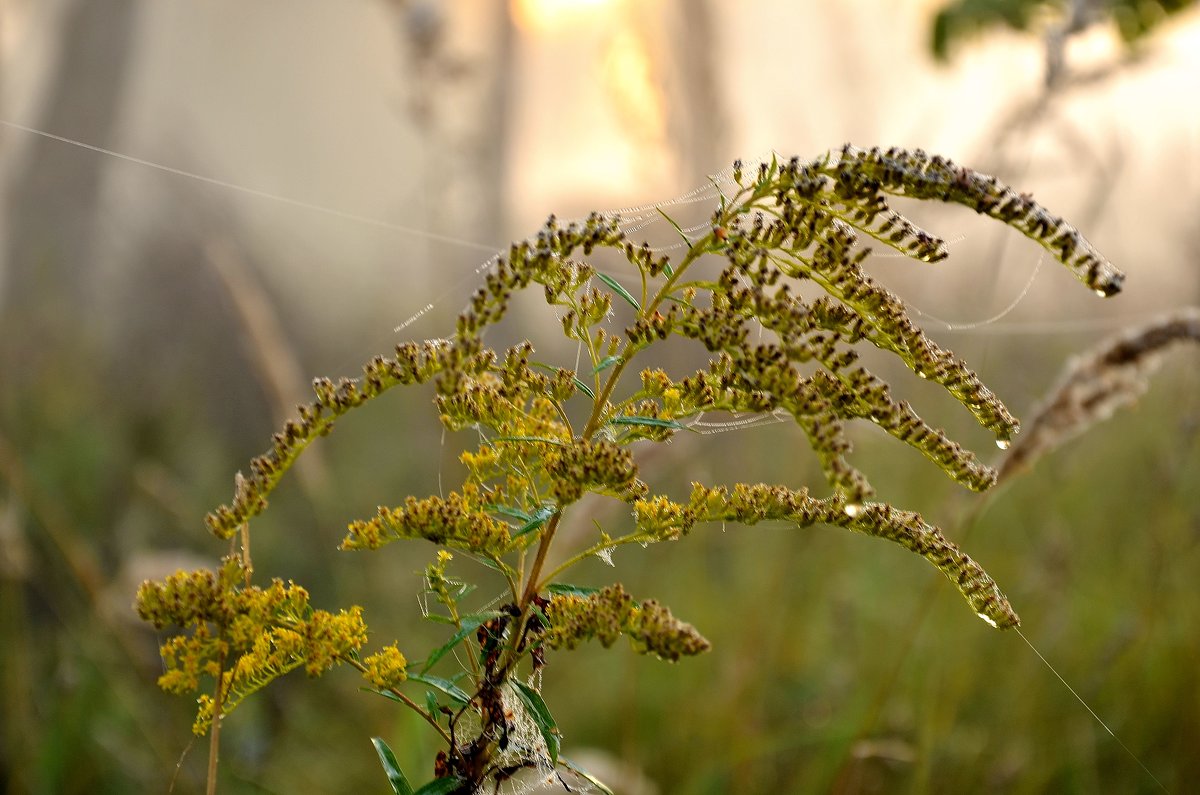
(494, 128)
(697, 118)
(54, 191)
(460, 100)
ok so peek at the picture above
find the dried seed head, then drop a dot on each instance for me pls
(1112, 375)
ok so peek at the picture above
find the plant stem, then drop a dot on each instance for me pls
(535, 570)
(592, 550)
(408, 702)
(214, 732)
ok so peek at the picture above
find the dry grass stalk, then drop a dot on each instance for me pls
(1094, 385)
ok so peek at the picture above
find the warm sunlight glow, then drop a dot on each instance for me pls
(544, 16)
(629, 78)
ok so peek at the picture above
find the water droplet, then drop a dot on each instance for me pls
(922, 373)
(989, 620)
(853, 509)
(1003, 444)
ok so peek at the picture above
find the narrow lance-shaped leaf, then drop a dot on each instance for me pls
(566, 589)
(395, 775)
(441, 786)
(605, 363)
(621, 291)
(652, 422)
(445, 685)
(586, 776)
(541, 716)
(539, 518)
(469, 624)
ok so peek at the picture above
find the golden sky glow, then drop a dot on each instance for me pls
(546, 16)
(630, 80)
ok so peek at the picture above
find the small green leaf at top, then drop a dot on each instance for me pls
(537, 520)
(620, 290)
(605, 363)
(687, 241)
(566, 589)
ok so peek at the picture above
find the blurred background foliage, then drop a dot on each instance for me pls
(1133, 19)
(154, 330)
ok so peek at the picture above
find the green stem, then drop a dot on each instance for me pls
(214, 731)
(592, 550)
(535, 570)
(408, 702)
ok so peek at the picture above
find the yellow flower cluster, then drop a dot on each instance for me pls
(457, 521)
(246, 635)
(659, 519)
(386, 667)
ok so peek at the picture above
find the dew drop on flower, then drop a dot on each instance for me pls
(988, 619)
(853, 509)
(1003, 444)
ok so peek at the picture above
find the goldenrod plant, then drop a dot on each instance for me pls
(771, 295)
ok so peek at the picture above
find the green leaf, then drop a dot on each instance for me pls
(586, 776)
(431, 703)
(445, 685)
(470, 623)
(537, 611)
(440, 786)
(621, 291)
(687, 241)
(504, 510)
(541, 716)
(495, 565)
(653, 422)
(582, 387)
(395, 775)
(566, 589)
(605, 363)
(438, 618)
(537, 520)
